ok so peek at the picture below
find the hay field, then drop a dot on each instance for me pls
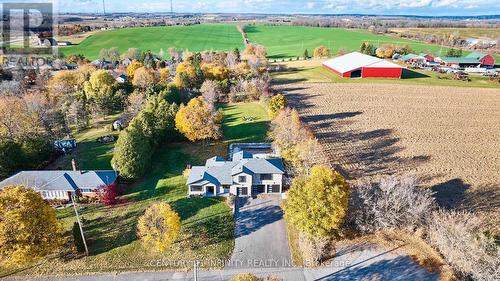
(447, 137)
(285, 41)
(201, 37)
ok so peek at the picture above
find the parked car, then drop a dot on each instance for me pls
(490, 73)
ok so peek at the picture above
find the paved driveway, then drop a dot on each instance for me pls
(261, 240)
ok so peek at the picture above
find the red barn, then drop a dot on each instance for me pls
(357, 65)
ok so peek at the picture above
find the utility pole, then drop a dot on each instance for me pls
(104, 7)
(80, 225)
(171, 8)
(195, 271)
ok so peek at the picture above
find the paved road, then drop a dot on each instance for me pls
(261, 247)
(261, 240)
(358, 262)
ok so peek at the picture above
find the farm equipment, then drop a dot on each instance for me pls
(460, 75)
(495, 78)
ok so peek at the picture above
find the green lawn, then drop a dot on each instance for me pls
(194, 38)
(207, 224)
(312, 72)
(89, 154)
(290, 41)
(236, 129)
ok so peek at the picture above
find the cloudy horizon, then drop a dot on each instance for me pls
(380, 7)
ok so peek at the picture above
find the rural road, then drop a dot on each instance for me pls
(260, 236)
(358, 262)
(261, 247)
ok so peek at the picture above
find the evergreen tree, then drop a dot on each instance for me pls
(77, 238)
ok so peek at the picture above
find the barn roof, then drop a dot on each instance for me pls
(355, 60)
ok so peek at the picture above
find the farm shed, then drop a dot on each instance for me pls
(357, 65)
(473, 59)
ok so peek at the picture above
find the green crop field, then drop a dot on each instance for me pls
(290, 41)
(194, 38)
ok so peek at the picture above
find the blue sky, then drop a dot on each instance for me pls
(414, 7)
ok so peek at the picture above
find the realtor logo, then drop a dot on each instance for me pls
(27, 28)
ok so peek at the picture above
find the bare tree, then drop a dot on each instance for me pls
(461, 240)
(389, 203)
(210, 91)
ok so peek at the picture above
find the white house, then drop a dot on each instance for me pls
(244, 175)
(62, 185)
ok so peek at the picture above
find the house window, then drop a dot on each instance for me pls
(242, 179)
(196, 188)
(266, 177)
(85, 190)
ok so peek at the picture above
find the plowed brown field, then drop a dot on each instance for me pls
(447, 137)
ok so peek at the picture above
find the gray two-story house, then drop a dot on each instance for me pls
(245, 174)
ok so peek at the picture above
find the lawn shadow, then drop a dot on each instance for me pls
(169, 161)
(280, 56)
(246, 132)
(188, 207)
(110, 232)
(209, 231)
(410, 74)
(285, 81)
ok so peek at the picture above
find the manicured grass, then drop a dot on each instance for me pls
(194, 38)
(312, 72)
(90, 154)
(254, 129)
(207, 224)
(290, 41)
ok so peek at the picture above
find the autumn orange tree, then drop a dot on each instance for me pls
(29, 228)
(295, 141)
(143, 77)
(321, 52)
(198, 121)
(159, 227)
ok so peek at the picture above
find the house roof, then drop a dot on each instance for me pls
(461, 60)
(222, 172)
(408, 57)
(61, 180)
(475, 55)
(355, 60)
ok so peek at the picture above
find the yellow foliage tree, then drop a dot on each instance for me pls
(164, 75)
(159, 226)
(84, 72)
(321, 52)
(198, 121)
(215, 72)
(245, 277)
(242, 69)
(29, 228)
(317, 203)
(276, 103)
(132, 68)
(185, 73)
(64, 82)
